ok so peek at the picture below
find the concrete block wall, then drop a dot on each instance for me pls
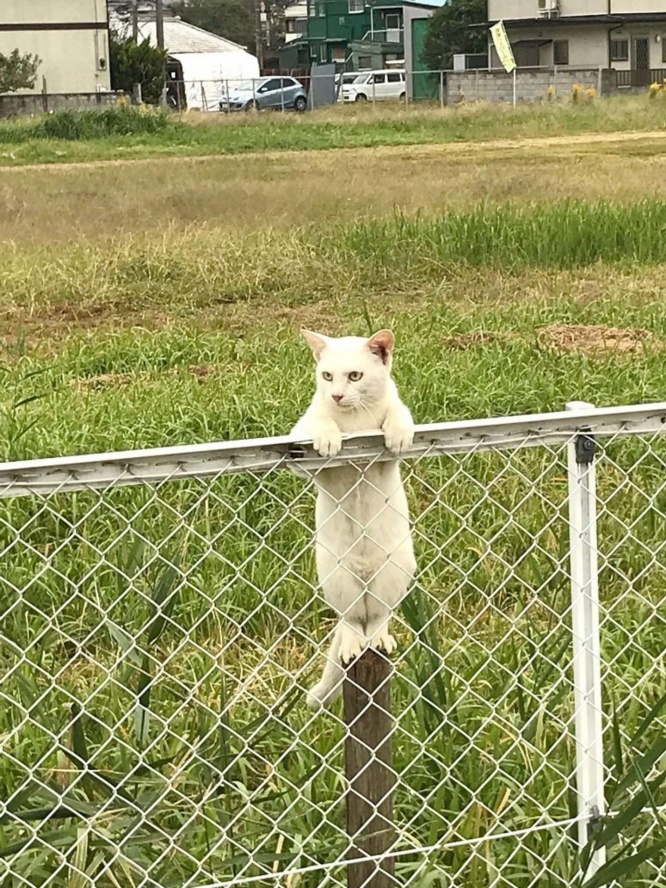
(38, 103)
(531, 85)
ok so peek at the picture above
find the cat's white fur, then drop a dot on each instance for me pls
(364, 552)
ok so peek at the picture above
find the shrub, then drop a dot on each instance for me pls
(143, 63)
(119, 121)
(18, 71)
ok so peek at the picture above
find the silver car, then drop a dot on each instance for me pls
(281, 93)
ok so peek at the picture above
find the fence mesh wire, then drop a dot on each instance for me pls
(157, 639)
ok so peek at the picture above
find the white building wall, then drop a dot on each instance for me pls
(293, 13)
(69, 36)
(618, 7)
(529, 9)
(589, 44)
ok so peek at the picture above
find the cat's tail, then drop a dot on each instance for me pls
(330, 684)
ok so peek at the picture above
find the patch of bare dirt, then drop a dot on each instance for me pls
(101, 380)
(595, 340)
(199, 371)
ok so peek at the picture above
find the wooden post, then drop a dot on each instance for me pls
(369, 771)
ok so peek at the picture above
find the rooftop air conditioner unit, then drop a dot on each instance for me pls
(549, 9)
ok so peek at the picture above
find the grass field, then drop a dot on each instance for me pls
(123, 134)
(158, 303)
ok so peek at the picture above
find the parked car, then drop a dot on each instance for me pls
(342, 80)
(266, 92)
(376, 86)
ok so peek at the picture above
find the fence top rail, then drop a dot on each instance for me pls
(99, 471)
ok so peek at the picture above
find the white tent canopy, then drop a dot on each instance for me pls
(209, 62)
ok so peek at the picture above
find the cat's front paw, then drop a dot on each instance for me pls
(383, 641)
(398, 436)
(351, 645)
(328, 442)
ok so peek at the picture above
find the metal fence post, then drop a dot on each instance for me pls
(586, 636)
(441, 89)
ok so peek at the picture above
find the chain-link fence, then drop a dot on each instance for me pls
(160, 624)
(306, 89)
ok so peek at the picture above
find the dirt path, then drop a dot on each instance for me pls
(417, 150)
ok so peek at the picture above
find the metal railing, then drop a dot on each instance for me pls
(385, 35)
(639, 78)
(160, 621)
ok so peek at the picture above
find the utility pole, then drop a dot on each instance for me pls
(159, 36)
(135, 21)
(159, 23)
(259, 33)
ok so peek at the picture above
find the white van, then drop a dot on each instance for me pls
(342, 80)
(376, 86)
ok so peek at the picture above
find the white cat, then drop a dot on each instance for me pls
(364, 552)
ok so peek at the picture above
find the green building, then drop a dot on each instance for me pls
(362, 34)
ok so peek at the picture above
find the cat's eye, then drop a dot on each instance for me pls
(327, 376)
(354, 376)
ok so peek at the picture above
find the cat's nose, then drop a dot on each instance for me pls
(337, 398)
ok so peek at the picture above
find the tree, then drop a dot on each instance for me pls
(18, 71)
(449, 31)
(133, 62)
(232, 19)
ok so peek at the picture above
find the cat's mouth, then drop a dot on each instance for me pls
(350, 405)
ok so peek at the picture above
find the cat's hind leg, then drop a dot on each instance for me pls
(385, 592)
(330, 684)
(346, 592)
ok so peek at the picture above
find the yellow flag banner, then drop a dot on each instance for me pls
(503, 47)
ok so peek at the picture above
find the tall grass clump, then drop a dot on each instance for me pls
(567, 234)
(74, 125)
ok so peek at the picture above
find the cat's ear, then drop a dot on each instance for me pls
(316, 341)
(381, 344)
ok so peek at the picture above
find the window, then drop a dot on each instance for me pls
(378, 78)
(394, 77)
(364, 62)
(619, 50)
(560, 52)
(392, 20)
(321, 9)
(322, 53)
(297, 26)
(356, 5)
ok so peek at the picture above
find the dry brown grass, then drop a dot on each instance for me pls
(58, 204)
(595, 340)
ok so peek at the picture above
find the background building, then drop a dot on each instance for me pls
(69, 36)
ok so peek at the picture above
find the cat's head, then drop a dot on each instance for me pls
(352, 372)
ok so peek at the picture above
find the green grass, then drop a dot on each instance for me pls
(500, 585)
(127, 133)
(136, 691)
(560, 235)
(190, 276)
